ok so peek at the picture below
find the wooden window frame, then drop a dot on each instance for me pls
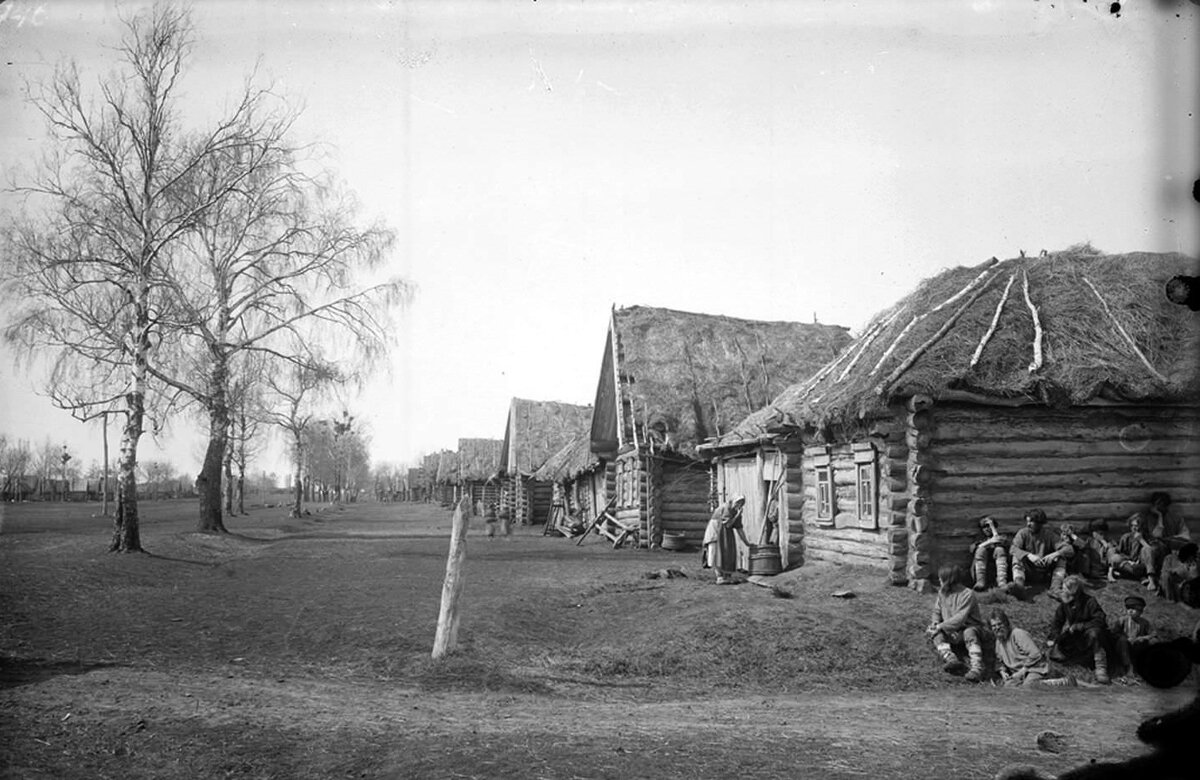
(826, 494)
(866, 500)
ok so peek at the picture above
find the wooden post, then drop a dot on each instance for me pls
(447, 626)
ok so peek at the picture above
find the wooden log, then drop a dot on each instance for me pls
(1009, 511)
(818, 545)
(917, 440)
(1036, 495)
(921, 420)
(1145, 481)
(1125, 334)
(919, 402)
(1065, 449)
(1084, 415)
(896, 451)
(1093, 430)
(1048, 465)
(446, 637)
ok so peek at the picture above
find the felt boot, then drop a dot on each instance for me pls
(1056, 581)
(1001, 570)
(1101, 661)
(950, 662)
(980, 572)
(975, 655)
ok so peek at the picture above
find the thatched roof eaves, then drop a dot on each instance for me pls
(538, 429)
(569, 462)
(447, 470)
(1105, 323)
(478, 459)
(699, 374)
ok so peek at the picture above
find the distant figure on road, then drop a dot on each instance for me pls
(490, 520)
(720, 539)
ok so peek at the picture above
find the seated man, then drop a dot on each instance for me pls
(1038, 554)
(956, 624)
(1019, 657)
(1128, 557)
(1177, 568)
(1091, 550)
(1130, 634)
(991, 546)
(1166, 531)
(1078, 631)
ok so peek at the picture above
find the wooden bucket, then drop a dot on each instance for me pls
(765, 560)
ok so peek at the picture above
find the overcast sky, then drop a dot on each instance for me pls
(545, 161)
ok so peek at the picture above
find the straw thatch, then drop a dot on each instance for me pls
(538, 429)
(478, 459)
(696, 375)
(572, 460)
(447, 470)
(1059, 329)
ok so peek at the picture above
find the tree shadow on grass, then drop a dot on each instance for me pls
(15, 672)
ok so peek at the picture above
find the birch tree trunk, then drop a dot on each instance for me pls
(209, 483)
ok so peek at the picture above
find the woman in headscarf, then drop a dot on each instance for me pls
(720, 539)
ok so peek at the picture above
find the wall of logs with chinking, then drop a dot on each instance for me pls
(1076, 464)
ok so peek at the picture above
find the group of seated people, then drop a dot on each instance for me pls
(1156, 548)
(1079, 633)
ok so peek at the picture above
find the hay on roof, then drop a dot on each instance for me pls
(569, 462)
(699, 374)
(1136, 346)
(538, 429)
(478, 459)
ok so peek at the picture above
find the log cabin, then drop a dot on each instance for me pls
(1066, 381)
(578, 477)
(478, 462)
(446, 485)
(534, 431)
(669, 380)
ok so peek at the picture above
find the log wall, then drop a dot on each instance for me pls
(682, 500)
(1076, 464)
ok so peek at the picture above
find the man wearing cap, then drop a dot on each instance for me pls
(1037, 554)
(1078, 629)
(1130, 634)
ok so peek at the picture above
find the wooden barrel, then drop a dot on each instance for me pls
(674, 541)
(765, 560)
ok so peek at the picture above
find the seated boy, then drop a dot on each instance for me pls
(1128, 557)
(957, 623)
(1130, 634)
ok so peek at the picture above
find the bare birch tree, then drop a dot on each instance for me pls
(84, 261)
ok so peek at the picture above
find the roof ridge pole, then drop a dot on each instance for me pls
(616, 351)
(1037, 324)
(1128, 339)
(995, 321)
(917, 318)
(920, 350)
(867, 339)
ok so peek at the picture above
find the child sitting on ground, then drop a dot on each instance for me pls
(1130, 634)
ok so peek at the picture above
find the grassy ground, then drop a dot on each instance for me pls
(300, 648)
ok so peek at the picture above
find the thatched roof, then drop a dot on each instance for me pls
(430, 466)
(447, 470)
(569, 462)
(1059, 329)
(697, 375)
(478, 459)
(538, 429)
